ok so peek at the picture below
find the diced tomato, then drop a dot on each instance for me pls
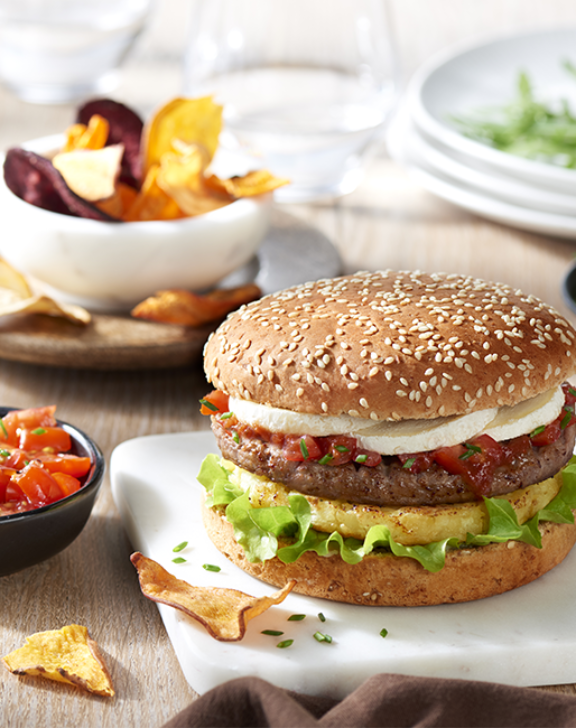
(340, 449)
(68, 483)
(214, 402)
(38, 485)
(475, 461)
(39, 438)
(517, 447)
(17, 459)
(367, 457)
(65, 463)
(548, 435)
(25, 419)
(13, 492)
(417, 462)
(299, 448)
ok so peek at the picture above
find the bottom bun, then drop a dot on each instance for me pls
(387, 580)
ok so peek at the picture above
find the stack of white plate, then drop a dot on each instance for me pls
(423, 136)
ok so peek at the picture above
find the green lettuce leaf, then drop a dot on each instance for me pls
(216, 479)
(263, 532)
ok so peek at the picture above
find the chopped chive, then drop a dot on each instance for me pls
(178, 560)
(209, 405)
(226, 415)
(272, 632)
(296, 617)
(538, 430)
(285, 643)
(383, 632)
(470, 450)
(409, 463)
(321, 617)
(304, 449)
(341, 448)
(39, 431)
(180, 546)
(319, 637)
(572, 391)
(236, 437)
(5, 453)
(3, 427)
(361, 459)
(325, 459)
(566, 420)
(211, 567)
(26, 462)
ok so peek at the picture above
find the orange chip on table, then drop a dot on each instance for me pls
(151, 202)
(253, 183)
(224, 612)
(67, 655)
(94, 135)
(191, 121)
(192, 309)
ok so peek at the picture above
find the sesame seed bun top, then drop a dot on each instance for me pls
(392, 345)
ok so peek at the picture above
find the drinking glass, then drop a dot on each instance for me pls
(306, 85)
(56, 51)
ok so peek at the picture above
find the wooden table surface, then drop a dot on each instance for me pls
(389, 222)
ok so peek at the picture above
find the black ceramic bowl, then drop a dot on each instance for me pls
(34, 536)
(569, 288)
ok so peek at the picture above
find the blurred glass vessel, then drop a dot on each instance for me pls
(56, 51)
(307, 85)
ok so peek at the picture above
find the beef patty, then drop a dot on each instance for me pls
(389, 484)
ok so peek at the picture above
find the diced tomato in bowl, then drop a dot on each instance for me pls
(50, 475)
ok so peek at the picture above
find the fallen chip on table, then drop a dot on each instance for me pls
(224, 612)
(16, 297)
(67, 655)
(184, 308)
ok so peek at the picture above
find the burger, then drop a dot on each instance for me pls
(393, 438)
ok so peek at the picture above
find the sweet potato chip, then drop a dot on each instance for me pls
(118, 205)
(125, 127)
(191, 309)
(192, 121)
(181, 176)
(224, 612)
(91, 173)
(36, 180)
(16, 297)
(44, 305)
(94, 135)
(152, 203)
(67, 655)
(13, 281)
(253, 183)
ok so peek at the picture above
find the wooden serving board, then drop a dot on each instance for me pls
(292, 253)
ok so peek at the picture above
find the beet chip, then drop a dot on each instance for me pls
(35, 180)
(125, 128)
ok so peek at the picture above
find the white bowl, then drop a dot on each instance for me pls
(460, 80)
(113, 266)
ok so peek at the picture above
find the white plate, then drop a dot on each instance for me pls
(462, 80)
(402, 149)
(524, 637)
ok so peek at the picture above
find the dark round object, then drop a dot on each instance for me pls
(569, 288)
(28, 538)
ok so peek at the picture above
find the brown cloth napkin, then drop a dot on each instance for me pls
(383, 701)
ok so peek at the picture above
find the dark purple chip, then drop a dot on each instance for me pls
(125, 128)
(35, 180)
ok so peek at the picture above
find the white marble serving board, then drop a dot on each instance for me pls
(525, 637)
